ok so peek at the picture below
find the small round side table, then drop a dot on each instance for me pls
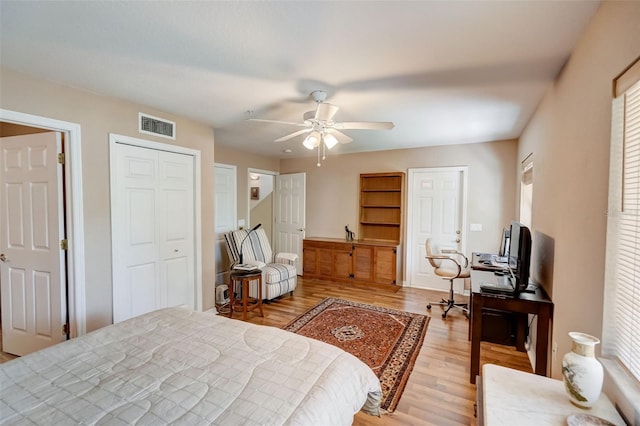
(245, 303)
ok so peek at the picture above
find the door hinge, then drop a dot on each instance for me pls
(64, 244)
(65, 328)
(61, 158)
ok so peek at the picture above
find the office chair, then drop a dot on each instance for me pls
(448, 264)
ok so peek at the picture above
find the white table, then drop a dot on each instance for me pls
(511, 397)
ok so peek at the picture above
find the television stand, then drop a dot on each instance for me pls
(524, 303)
(499, 326)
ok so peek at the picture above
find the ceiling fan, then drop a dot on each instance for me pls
(322, 130)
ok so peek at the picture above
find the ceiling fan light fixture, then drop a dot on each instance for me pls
(329, 140)
(320, 127)
(312, 141)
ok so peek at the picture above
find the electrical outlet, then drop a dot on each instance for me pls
(554, 350)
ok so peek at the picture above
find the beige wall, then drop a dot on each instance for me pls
(333, 188)
(243, 162)
(98, 116)
(263, 213)
(569, 139)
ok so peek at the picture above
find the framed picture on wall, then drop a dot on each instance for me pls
(255, 193)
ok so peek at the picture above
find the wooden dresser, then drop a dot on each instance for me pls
(360, 262)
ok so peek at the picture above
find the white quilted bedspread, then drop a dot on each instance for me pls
(183, 367)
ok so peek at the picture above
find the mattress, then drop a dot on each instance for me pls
(183, 367)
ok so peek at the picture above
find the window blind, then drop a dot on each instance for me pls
(621, 331)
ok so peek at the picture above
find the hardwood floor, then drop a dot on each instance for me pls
(438, 391)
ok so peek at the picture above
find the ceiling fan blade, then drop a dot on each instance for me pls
(365, 125)
(325, 112)
(293, 135)
(291, 123)
(342, 138)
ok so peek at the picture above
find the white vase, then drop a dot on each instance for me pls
(581, 371)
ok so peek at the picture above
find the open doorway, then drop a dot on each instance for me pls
(261, 186)
(15, 132)
(24, 124)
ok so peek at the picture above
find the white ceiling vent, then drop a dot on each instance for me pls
(156, 126)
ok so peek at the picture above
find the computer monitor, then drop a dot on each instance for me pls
(519, 255)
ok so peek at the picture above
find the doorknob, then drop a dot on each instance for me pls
(300, 229)
(3, 258)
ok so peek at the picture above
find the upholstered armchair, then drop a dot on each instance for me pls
(279, 274)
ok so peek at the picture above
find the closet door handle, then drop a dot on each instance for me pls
(3, 258)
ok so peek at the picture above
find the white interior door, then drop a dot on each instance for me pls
(225, 198)
(436, 206)
(226, 217)
(289, 214)
(153, 230)
(32, 274)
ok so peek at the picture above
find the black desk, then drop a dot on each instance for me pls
(525, 303)
(500, 327)
(476, 264)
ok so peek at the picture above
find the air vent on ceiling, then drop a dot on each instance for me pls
(156, 126)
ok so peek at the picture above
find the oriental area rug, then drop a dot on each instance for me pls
(387, 340)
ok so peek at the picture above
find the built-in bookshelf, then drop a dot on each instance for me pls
(381, 199)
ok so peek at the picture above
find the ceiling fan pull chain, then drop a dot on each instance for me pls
(324, 152)
(318, 163)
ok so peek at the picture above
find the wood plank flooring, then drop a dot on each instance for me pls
(438, 391)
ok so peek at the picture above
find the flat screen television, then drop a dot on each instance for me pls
(519, 255)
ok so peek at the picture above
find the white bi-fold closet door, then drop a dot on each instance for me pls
(153, 229)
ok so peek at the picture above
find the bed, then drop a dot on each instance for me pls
(183, 367)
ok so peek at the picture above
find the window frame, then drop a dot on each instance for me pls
(622, 385)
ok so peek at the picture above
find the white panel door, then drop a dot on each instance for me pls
(176, 233)
(289, 214)
(225, 198)
(436, 211)
(153, 230)
(226, 219)
(32, 273)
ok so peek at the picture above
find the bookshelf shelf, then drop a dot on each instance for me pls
(381, 198)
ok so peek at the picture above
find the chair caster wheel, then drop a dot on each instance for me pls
(429, 307)
(444, 316)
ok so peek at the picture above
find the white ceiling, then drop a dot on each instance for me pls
(445, 72)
